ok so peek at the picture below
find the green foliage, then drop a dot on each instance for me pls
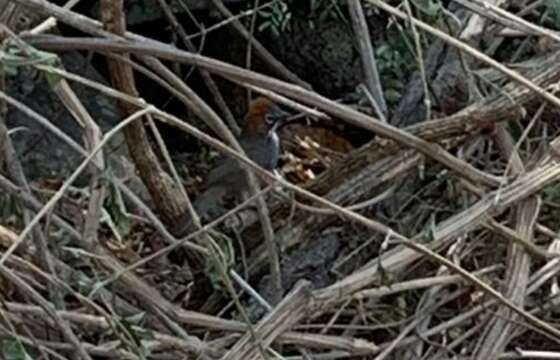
(16, 55)
(9, 211)
(395, 64)
(222, 258)
(323, 11)
(553, 8)
(13, 350)
(135, 335)
(552, 193)
(277, 18)
(429, 8)
(114, 204)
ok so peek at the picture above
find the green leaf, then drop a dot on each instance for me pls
(223, 256)
(428, 7)
(392, 96)
(136, 319)
(554, 7)
(8, 70)
(52, 78)
(552, 192)
(14, 56)
(114, 205)
(393, 84)
(13, 350)
(262, 27)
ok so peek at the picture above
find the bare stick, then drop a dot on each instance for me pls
(369, 65)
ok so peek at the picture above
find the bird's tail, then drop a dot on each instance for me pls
(208, 205)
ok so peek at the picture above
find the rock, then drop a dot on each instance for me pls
(44, 155)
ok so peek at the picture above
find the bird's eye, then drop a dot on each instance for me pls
(270, 120)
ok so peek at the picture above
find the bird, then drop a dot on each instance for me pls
(259, 139)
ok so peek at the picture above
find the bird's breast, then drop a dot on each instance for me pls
(275, 149)
(264, 151)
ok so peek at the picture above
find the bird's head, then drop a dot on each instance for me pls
(264, 117)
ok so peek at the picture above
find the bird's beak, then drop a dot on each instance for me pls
(281, 119)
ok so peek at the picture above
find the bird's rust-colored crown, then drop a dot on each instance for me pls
(255, 122)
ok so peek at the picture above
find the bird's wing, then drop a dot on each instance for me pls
(210, 203)
(225, 172)
(263, 151)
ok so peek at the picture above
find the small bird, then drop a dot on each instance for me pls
(259, 140)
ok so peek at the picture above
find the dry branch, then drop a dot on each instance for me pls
(393, 154)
